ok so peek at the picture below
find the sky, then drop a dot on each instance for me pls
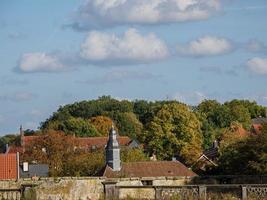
(57, 52)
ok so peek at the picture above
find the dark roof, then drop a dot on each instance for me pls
(8, 166)
(150, 169)
(211, 153)
(260, 120)
(40, 170)
(14, 149)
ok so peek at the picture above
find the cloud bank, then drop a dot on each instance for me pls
(107, 13)
(40, 62)
(130, 47)
(206, 46)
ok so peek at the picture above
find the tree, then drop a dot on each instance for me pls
(127, 124)
(218, 116)
(133, 155)
(53, 148)
(245, 156)
(80, 127)
(254, 109)
(145, 110)
(174, 130)
(233, 134)
(10, 140)
(102, 124)
(83, 163)
(239, 113)
(74, 126)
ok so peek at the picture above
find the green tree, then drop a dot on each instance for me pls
(245, 156)
(10, 140)
(127, 124)
(80, 127)
(133, 155)
(174, 130)
(239, 113)
(74, 126)
(254, 109)
(82, 163)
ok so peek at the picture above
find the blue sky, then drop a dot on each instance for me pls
(57, 52)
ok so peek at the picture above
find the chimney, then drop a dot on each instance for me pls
(113, 151)
(153, 157)
(215, 144)
(22, 138)
(25, 166)
(21, 132)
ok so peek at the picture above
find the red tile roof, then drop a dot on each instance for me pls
(150, 169)
(29, 139)
(100, 142)
(256, 128)
(14, 149)
(9, 166)
(87, 142)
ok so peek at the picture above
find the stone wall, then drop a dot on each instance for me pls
(90, 188)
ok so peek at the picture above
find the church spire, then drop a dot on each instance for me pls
(113, 151)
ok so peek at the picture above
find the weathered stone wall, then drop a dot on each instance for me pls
(70, 189)
(137, 193)
(90, 188)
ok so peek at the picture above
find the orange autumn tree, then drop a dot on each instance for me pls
(52, 148)
(102, 124)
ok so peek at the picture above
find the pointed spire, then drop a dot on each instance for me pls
(113, 150)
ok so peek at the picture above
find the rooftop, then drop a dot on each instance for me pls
(150, 169)
(9, 166)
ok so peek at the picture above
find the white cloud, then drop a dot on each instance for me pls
(258, 65)
(103, 13)
(40, 62)
(206, 46)
(130, 47)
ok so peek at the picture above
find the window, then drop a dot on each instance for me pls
(147, 182)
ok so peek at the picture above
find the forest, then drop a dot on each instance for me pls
(164, 128)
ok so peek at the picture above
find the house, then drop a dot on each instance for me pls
(257, 124)
(12, 169)
(9, 166)
(87, 143)
(208, 158)
(27, 170)
(114, 168)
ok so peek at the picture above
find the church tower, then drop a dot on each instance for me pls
(113, 151)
